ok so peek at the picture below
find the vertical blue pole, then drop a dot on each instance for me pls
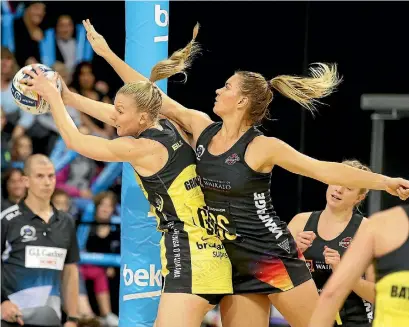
(146, 44)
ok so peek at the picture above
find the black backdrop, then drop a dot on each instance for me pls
(368, 40)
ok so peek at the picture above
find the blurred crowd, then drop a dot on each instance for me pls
(23, 134)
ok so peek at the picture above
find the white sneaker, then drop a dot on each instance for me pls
(110, 320)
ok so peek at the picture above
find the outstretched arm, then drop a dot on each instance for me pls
(97, 109)
(192, 121)
(97, 148)
(279, 153)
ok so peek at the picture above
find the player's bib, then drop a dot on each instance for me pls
(45, 257)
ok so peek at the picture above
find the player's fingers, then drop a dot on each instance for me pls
(20, 321)
(37, 70)
(30, 73)
(26, 81)
(91, 26)
(304, 242)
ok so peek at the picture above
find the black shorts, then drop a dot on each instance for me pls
(266, 266)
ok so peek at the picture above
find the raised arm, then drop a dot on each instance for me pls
(192, 121)
(277, 152)
(97, 109)
(97, 148)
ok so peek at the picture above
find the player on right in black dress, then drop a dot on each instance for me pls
(324, 236)
(234, 163)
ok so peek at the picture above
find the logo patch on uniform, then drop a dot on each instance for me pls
(310, 265)
(285, 245)
(28, 233)
(345, 242)
(158, 202)
(231, 160)
(177, 145)
(199, 151)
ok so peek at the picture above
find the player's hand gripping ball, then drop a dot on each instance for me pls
(29, 100)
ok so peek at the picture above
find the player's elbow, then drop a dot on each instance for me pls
(70, 144)
(328, 294)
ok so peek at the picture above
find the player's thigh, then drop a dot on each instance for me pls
(244, 310)
(297, 304)
(181, 310)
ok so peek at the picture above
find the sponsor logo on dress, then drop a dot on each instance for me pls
(345, 242)
(231, 160)
(285, 245)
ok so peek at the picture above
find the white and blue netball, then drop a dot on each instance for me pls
(28, 100)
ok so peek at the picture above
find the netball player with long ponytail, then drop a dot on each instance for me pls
(324, 236)
(195, 266)
(234, 162)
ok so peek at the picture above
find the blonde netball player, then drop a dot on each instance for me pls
(323, 236)
(195, 266)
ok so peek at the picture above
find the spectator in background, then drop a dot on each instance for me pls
(21, 149)
(83, 81)
(62, 202)
(18, 121)
(76, 177)
(28, 33)
(12, 188)
(66, 45)
(62, 69)
(103, 238)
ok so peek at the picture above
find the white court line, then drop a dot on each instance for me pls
(160, 38)
(141, 295)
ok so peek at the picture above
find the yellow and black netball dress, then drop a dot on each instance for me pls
(392, 287)
(193, 261)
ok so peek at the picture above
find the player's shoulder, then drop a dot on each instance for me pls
(299, 221)
(11, 213)
(140, 145)
(302, 216)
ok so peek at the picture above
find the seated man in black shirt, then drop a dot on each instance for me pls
(39, 254)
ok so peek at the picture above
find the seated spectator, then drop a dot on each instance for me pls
(18, 121)
(76, 178)
(83, 81)
(21, 149)
(103, 238)
(66, 44)
(62, 202)
(62, 69)
(28, 33)
(12, 188)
